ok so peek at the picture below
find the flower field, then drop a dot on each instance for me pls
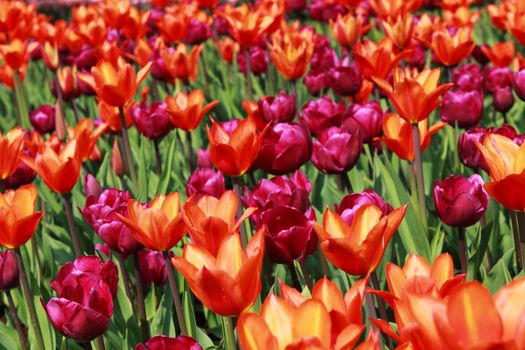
(276, 175)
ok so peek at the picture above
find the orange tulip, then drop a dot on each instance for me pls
(115, 85)
(93, 32)
(180, 64)
(291, 51)
(228, 48)
(143, 52)
(234, 154)
(116, 12)
(158, 225)
(18, 219)
(58, 169)
(358, 248)
(86, 137)
(174, 25)
(500, 54)
(247, 25)
(498, 14)
(50, 55)
(460, 17)
(394, 8)
(67, 81)
(10, 147)
(452, 49)
(135, 27)
(414, 94)
(7, 75)
(348, 29)
(506, 162)
(377, 59)
(16, 53)
(209, 220)
(426, 26)
(111, 116)
(234, 274)
(186, 111)
(399, 139)
(516, 24)
(399, 30)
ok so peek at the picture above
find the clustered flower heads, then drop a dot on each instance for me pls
(202, 174)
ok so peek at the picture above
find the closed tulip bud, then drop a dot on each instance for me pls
(159, 70)
(258, 60)
(43, 119)
(369, 116)
(284, 149)
(352, 202)
(316, 82)
(279, 109)
(117, 163)
(91, 186)
(321, 114)
(496, 77)
(345, 81)
(460, 201)
(289, 235)
(503, 99)
(152, 121)
(198, 32)
(205, 181)
(518, 83)
(462, 107)
(8, 270)
(295, 5)
(324, 57)
(337, 150)
(162, 342)
(152, 267)
(468, 77)
(479, 55)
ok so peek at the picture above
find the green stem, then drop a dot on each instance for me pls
(158, 159)
(18, 325)
(29, 300)
(191, 153)
(462, 249)
(71, 224)
(126, 281)
(419, 177)
(228, 334)
(380, 303)
(21, 101)
(248, 75)
(175, 295)
(519, 238)
(100, 343)
(140, 299)
(128, 155)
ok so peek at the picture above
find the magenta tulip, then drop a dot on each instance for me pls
(162, 342)
(152, 267)
(43, 119)
(352, 202)
(321, 114)
(152, 121)
(279, 109)
(205, 181)
(8, 270)
(462, 107)
(337, 150)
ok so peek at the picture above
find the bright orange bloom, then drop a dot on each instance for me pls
(291, 51)
(180, 64)
(209, 220)
(93, 32)
(426, 26)
(115, 85)
(461, 17)
(157, 225)
(174, 25)
(50, 55)
(67, 80)
(116, 12)
(16, 53)
(506, 162)
(292, 321)
(377, 59)
(234, 274)
(358, 248)
(59, 170)
(143, 52)
(454, 4)
(247, 25)
(86, 137)
(348, 29)
(394, 8)
(186, 111)
(135, 26)
(7, 75)
(18, 219)
(398, 136)
(414, 94)
(452, 49)
(111, 116)
(500, 54)
(10, 147)
(399, 30)
(228, 48)
(516, 24)
(234, 154)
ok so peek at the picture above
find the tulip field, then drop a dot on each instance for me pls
(267, 175)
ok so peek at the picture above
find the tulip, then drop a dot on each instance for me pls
(198, 32)
(279, 109)
(115, 85)
(16, 53)
(399, 29)
(9, 270)
(460, 201)
(323, 11)
(352, 202)
(227, 49)
(295, 5)
(43, 119)
(291, 51)
(86, 137)
(181, 64)
(337, 150)
(111, 116)
(503, 99)
(85, 290)
(345, 81)
(258, 60)
(369, 116)
(159, 70)
(10, 150)
(117, 163)
(377, 59)
(358, 248)
(231, 269)
(464, 108)
(173, 25)
(23, 175)
(321, 114)
(157, 225)
(162, 342)
(452, 49)
(414, 94)
(316, 82)
(496, 77)
(186, 110)
(152, 268)
(203, 158)
(500, 54)
(152, 121)
(468, 77)
(247, 26)
(348, 29)
(284, 149)
(205, 181)
(518, 83)
(234, 154)
(210, 220)
(289, 235)
(59, 170)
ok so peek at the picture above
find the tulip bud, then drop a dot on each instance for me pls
(369, 116)
(206, 181)
(198, 32)
(117, 163)
(289, 235)
(468, 77)
(152, 121)
(8, 270)
(159, 70)
(60, 121)
(91, 186)
(352, 202)
(321, 114)
(152, 267)
(479, 55)
(462, 107)
(460, 201)
(337, 150)
(495, 77)
(258, 60)
(503, 99)
(162, 342)
(284, 149)
(43, 119)
(279, 109)
(518, 83)
(316, 82)
(345, 81)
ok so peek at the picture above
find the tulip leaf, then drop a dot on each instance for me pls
(482, 244)
(167, 167)
(189, 313)
(499, 275)
(9, 337)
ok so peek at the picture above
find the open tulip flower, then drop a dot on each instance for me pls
(452, 49)
(186, 110)
(10, 149)
(180, 64)
(377, 59)
(246, 24)
(86, 137)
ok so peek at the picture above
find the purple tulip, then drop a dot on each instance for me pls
(23, 175)
(352, 202)
(152, 267)
(462, 107)
(503, 99)
(321, 114)
(43, 119)
(345, 80)
(198, 32)
(316, 82)
(369, 116)
(279, 109)
(152, 121)
(162, 342)
(8, 270)
(258, 60)
(518, 83)
(323, 11)
(337, 150)
(496, 77)
(468, 77)
(205, 181)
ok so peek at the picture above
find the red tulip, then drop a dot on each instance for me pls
(152, 267)
(8, 270)
(337, 150)
(162, 342)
